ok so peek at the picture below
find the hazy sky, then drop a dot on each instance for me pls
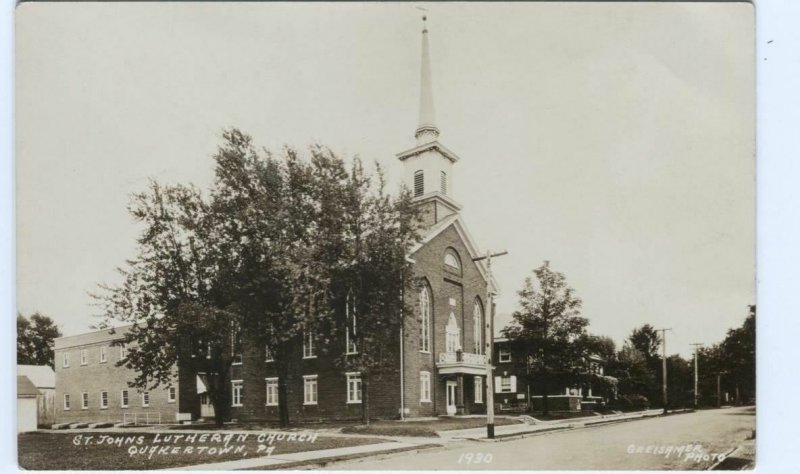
(615, 140)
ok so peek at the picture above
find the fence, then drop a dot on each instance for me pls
(141, 418)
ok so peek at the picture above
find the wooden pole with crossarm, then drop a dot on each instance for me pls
(489, 341)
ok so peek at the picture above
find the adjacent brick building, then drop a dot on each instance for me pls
(90, 387)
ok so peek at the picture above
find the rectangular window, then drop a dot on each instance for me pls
(505, 356)
(309, 390)
(236, 393)
(425, 386)
(84, 401)
(505, 384)
(66, 401)
(65, 362)
(444, 182)
(268, 355)
(478, 390)
(83, 357)
(123, 353)
(353, 387)
(123, 399)
(272, 391)
(308, 345)
(102, 354)
(103, 400)
(171, 394)
(145, 399)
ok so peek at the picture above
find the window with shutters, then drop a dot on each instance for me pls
(103, 400)
(506, 383)
(444, 182)
(419, 183)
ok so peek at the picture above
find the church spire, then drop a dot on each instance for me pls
(427, 130)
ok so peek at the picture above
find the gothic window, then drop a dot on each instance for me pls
(477, 320)
(425, 320)
(453, 334)
(350, 333)
(419, 183)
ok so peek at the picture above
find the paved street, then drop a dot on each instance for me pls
(600, 447)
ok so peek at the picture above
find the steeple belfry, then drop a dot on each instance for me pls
(427, 130)
(429, 165)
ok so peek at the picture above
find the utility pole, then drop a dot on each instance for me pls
(664, 365)
(696, 347)
(489, 341)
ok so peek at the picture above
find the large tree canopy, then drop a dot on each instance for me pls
(549, 332)
(270, 250)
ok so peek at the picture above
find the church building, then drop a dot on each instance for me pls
(440, 362)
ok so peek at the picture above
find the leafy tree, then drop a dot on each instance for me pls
(647, 341)
(264, 253)
(35, 339)
(380, 230)
(549, 332)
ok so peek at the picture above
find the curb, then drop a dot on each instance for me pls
(527, 434)
(322, 462)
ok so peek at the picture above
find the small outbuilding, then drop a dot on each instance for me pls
(27, 405)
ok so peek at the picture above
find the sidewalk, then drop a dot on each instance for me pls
(505, 431)
(307, 457)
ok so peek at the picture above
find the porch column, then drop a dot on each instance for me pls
(460, 394)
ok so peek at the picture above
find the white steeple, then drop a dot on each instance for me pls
(429, 165)
(426, 131)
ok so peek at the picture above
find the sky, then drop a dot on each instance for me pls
(615, 140)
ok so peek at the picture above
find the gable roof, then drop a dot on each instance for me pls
(25, 388)
(457, 222)
(42, 376)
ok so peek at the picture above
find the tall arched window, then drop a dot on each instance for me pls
(425, 320)
(350, 318)
(477, 319)
(452, 334)
(419, 183)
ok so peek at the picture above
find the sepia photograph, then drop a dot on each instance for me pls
(385, 236)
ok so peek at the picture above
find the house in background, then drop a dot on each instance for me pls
(27, 396)
(44, 379)
(512, 394)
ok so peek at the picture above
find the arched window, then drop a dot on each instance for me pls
(477, 319)
(452, 334)
(424, 320)
(350, 317)
(419, 183)
(452, 261)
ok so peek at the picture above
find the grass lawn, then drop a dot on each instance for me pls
(423, 428)
(67, 451)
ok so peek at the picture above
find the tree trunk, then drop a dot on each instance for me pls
(283, 395)
(219, 395)
(365, 401)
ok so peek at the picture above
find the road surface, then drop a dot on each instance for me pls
(612, 446)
